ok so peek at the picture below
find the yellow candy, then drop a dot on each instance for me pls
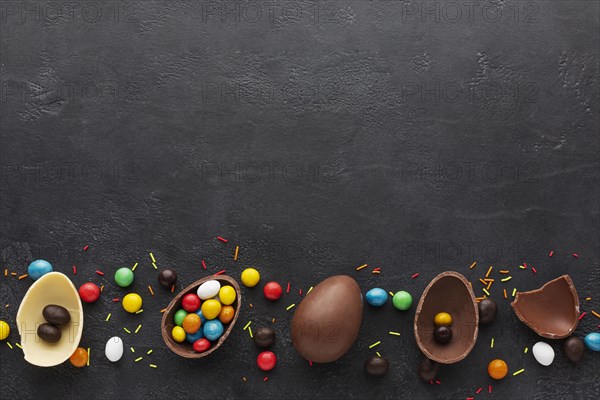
(4, 330)
(250, 277)
(227, 295)
(132, 302)
(211, 309)
(178, 334)
(442, 319)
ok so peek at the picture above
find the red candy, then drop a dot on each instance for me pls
(89, 292)
(190, 302)
(272, 291)
(201, 345)
(266, 360)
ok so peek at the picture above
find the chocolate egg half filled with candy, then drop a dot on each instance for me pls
(551, 311)
(448, 292)
(328, 319)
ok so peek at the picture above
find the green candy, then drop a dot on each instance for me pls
(402, 300)
(124, 277)
(179, 316)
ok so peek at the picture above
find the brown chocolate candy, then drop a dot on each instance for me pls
(574, 349)
(264, 337)
(328, 319)
(442, 334)
(449, 292)
(56, 315)
(428, 369)
(49, 333)
(487, 310)
(376, 366)
(167, 278)
(551, 311)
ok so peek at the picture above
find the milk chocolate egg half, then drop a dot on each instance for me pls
(328, 319)
(448, 292)
(552, 311)
(56, 289)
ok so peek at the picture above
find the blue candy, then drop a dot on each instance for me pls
(192, 337)
(202, 317)
(376, 297)
(213, 329)
(592, 341)
(38, 268)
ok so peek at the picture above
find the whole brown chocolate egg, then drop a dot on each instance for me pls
(328, 319)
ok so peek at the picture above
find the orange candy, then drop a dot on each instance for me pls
(79, 357)
(497, 369)
(226, 314)
(191, 323)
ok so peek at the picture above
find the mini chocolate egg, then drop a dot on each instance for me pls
(327, 321)
(376, 297)
(167, 278)
(264, 337)
(114, 349)
(574, 349)
(487, 310)
(56, 315)
(376, 366)
(442, 334)
(49, 333)
(208, 289)
(428, 369)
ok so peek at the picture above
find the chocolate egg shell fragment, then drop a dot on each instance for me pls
(49, 333)
(264, 337)
(487, 310)
(376, 366)
(428, 369)
(448, 292)
(328, 319)
(574, 349)
(56, 315)
(551, 311)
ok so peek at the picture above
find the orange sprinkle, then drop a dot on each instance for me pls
(489, 285)
(13, 273)
(482, 281)
(505, 295)
(150, 289)
(504, 271)
(362, 266)
(237, 249)
(6, 306)
(102, 288)
(473, 265)
(489, 280)
(489, 271)
(172, 288)
(376, 272)
(5, 272)
(163, 310)
(596, 314)
(250, 305)
(23, 276)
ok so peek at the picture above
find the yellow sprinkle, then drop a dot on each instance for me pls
(273, 321)
(134, 266)
(391, 294)
(18, 345)
(376, 272)
(588, 298)
(235, 256)
(472, 265)
(378, 355)
(309, 290)
(150, 289)
(108, 316)
(489, 271)
(13, 273)
(149, 351)
(9, 345)
(250, 332)
(138, 359)
(375, 344)
(141, 310)
(250, 305)
(485, 291)
(6, 306)
(154, 265)
(152, 257)
(102, 288)
(5, 272)
(138, 328)
(394, 333)
(362, 266)
(88, 360)
(132, 349)
(492, 344)
(126, 330)
(290, 306)
(247, 325)
(522, 266)
(518, 372)
(508, 278)
(244, 378)
(596, 314)
(153, 366)
(526, 350)
(514, 292)
(23, 276)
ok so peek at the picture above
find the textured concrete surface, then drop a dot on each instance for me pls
(417, 136)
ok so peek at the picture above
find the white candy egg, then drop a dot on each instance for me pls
(543, 353)
(114, 349)
(209, 289)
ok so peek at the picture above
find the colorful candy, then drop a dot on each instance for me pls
(38, 268)
(272, 291)
(191, 323)
(167, 278)
(250, 277)
(543, 353)
(79, 357)
(179, 317)
(202, 317)
(226, 315)
(192, 337)
(89, 292)
(132, 303)
(178, 334)
(497, 369)
(266, 360)
(376, 297)
(227, 295)
(114, 349)
(211, 309)
(124, 277)
(592, 341)
(574, 349)
(201, 345)
(402, 300)
(190, 302)
(442, 319)
(213, 329)
(4, 330)
(209, 289)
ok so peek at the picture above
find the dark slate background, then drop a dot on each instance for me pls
(417, 136)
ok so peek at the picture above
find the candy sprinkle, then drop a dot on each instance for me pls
(108, 317)
(9, 345)
(23, 276)
(378, 355)
(288, 288)
(138, 359)
(163, 310)
(473, 265)
(139, 311)
(222, 239)
(522, 266)
(149, 351)
(250, 332)
(153, 366)
(101, 288)
(526, 350)
(478, 390)
(551, 253)
(152, 257)
(290, 306)
(489, 388)
(247, 325)
(575, 255)
(221, 272)
(150, 289)
(518, 372)
(235, 256)
(126, 330)
(86, 247)
(74, 270)
(138, 328)
(504, 271)
(582, 315)
(18, 345)
(596, 314)
(154, 265)
(394, 333)
(485, 291)
(266, 378)
(492, 344)
(514, 292)
(362, 266)
(100, 272)
(311, 288)
(88, 360)
(482, 281)
(508, 278)
(244, 378)
(489, 271)
(533, 270)
(134, 266)
(5, 272)
(132, 349)
(505, 295)
(203, 264)
(414, 276)
(375, 344)
(116, 300)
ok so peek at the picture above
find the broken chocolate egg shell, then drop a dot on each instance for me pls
(52, 288)
(551, 311)
(448, 292)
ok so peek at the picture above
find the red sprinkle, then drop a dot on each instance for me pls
(490, 389)
(525, 265)
(478, 390)
(222, 239)
(575, 255)
(377, 269)
(534, 271)
(203, 264)
(116, 300)
(86, 247)
(266, 378)
(414, 276)
(582, 315)
(300, 291)
(470, 398)
(288, 288)
(431, 382)
(551, 253)
(100, 272)
(74, 270)
(220, 272)
(310, 362)
(438, 382)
